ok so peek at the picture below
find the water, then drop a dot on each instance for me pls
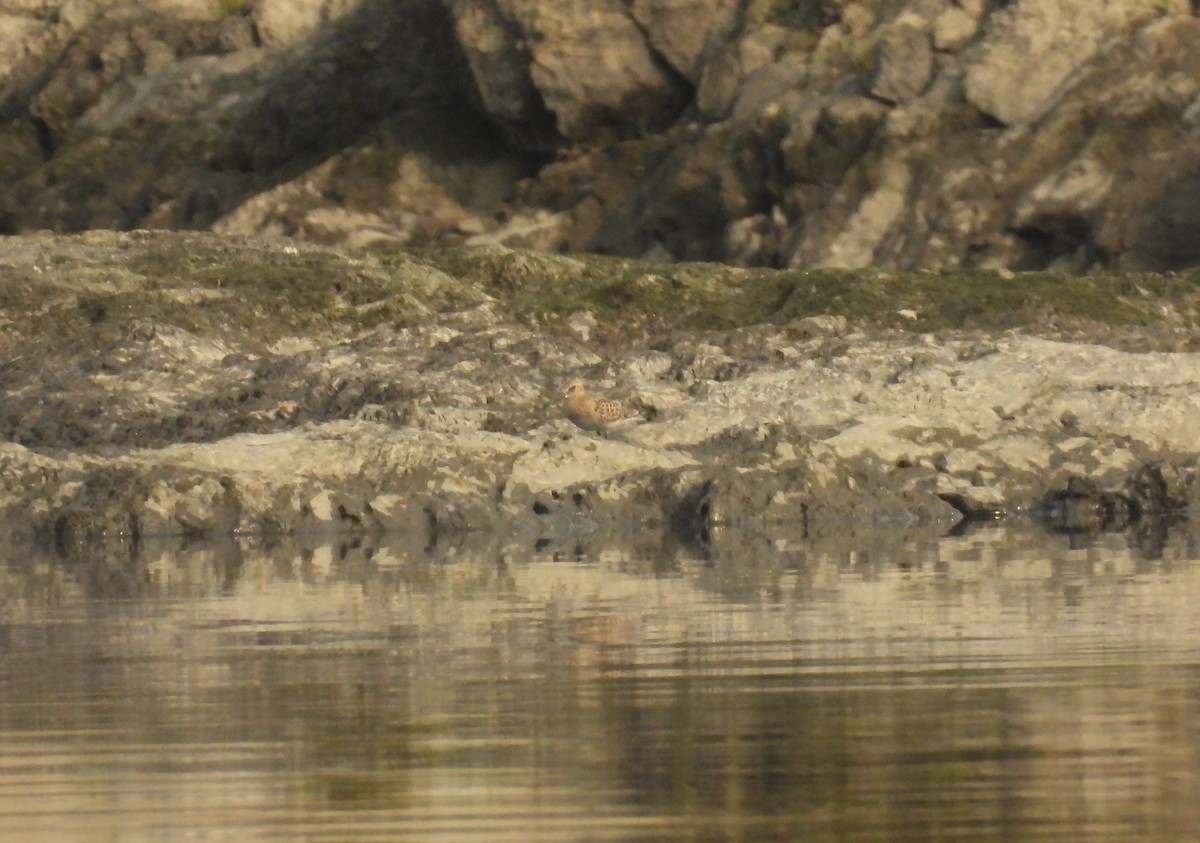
(1003, 685)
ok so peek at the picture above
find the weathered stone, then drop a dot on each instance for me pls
(588, 65)
(878, 213)
(681, 30)
(191, 128)
(822, 149)
(729, 66)
(957, 24)
(284, 21)
(1033, 46)
(905, 61)
(196, 385)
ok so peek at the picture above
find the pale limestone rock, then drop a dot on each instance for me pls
(1033, 46)
(585, 460)
(1080, 187)
(957, 24)
(284, 21)
(875, 216)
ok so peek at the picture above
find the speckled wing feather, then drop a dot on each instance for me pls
(607, 411)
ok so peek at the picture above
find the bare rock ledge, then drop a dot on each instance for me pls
(160, 384)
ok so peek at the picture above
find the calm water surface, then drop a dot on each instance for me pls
(999, 686)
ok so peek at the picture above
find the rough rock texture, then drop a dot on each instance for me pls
(194, 385)
(574, 69)
(122, 117)
(915, 133)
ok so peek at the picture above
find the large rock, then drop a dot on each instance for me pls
(578, 70)
(905, 60)
(681, 31)
(1033, 46)
(285, 21)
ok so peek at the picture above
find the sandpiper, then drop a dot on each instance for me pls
(596, 414)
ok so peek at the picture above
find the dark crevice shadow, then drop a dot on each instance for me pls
(387, 63)
(388, 68)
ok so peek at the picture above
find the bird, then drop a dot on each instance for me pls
(595, 414)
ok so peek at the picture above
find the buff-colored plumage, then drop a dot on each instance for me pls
(594, 413)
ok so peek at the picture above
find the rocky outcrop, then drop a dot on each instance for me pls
(197, 385)
(922, 133)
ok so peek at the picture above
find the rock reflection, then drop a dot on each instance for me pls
(998, 684)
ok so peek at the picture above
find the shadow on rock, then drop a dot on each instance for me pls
(127, 142)
(1151, 501)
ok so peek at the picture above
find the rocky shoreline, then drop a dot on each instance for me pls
(199, 386)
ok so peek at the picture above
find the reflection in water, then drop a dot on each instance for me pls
(998, 685)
